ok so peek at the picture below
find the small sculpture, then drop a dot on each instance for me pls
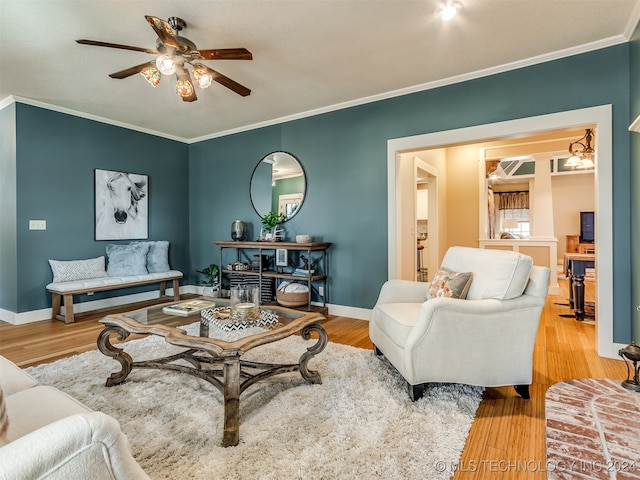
(632, 353)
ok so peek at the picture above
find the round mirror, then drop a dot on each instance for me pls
(278, 184)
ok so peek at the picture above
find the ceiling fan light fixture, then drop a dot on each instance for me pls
(449, 10)
(166, 65)
(151, 75)
(184, 87)
(202, 77)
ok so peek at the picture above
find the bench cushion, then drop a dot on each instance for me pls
(108, 283)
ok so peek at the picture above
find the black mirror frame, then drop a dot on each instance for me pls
(304, 175)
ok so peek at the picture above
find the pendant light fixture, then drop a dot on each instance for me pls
(582, 152)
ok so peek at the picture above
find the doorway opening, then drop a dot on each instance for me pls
(601, 117)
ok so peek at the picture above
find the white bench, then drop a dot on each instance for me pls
(69, 289)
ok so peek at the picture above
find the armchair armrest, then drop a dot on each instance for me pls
(88, 445)
(403, 291)
(471, 315)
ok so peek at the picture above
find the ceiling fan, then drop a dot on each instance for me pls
(173, 54)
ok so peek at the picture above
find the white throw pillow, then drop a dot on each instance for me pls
(67, 271)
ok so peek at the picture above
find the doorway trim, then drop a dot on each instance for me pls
(601, 116)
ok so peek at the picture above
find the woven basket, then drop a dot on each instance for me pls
(291, 299)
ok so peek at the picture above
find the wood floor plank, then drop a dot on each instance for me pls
(507, 438)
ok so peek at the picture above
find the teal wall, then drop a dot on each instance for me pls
(56, 158)
(344, 154)
(198, 190)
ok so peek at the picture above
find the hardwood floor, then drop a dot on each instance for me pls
(507, 439)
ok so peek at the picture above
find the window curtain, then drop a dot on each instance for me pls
(491, 206)
(512, 200)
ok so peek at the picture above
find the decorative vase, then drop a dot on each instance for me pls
(238, 231)
(209, 291)
(245, 302)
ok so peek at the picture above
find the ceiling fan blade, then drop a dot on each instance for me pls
(183, 75)
(132, 71)
(227, 82)
(117, 45)
(223, 54)
(164, 32)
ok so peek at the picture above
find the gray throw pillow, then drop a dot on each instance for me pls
(125, 260)
(67, 271)
(158, 256)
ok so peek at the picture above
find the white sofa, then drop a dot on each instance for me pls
(486, 339)
(53, 436)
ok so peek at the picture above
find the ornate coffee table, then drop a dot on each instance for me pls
(211, 358)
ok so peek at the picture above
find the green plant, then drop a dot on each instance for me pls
(271, 219)
(211, 274)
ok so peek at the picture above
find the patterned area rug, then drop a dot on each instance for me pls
(359, 423)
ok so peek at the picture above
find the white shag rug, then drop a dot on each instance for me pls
(359, 423)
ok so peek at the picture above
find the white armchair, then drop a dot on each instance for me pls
(52, 436)
(486, 339)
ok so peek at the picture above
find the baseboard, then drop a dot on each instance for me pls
(25, 317)
(45, 313)
(611, 351)
(32, 316)
(351, 312)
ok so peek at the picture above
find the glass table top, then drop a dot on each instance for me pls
(211, 322)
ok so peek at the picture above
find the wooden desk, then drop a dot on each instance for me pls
(574, 246)
(575, 265)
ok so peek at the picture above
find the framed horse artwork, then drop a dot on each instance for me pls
(121, 205)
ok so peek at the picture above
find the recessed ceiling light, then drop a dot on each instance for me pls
(449, 10)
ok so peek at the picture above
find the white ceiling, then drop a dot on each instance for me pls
(309, 56)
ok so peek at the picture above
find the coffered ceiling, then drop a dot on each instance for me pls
(309, 56)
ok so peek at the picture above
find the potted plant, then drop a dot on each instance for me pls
(210, 283)
(269, 225)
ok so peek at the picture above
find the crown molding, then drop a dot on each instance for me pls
(588, 47)
(36, 103)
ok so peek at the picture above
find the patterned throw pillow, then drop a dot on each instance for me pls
(447, 283)
(4, 420)
(67, 271)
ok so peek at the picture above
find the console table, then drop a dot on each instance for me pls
(316, 255)
(575, 265)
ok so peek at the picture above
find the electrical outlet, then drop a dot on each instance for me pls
(321, 290)
(37, 224)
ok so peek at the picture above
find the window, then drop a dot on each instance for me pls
(515, 221)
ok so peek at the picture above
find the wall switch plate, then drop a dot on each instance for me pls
(37, 224)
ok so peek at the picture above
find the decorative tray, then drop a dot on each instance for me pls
(223, 318)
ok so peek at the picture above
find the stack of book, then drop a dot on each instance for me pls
(300, 272)
(189, 307)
